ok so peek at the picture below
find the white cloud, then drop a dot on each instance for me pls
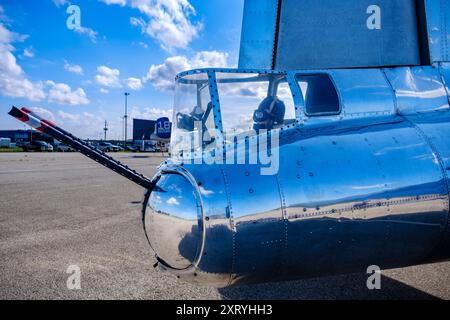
(84, 125)
(7, 37)
(28, 53)
(73, 68)
(205, 192)
(134, 83)
(107, 77)
(209, 59)
(168, 22)
(68, 116)
(92, 125)
(150, 113)
(87, 125)
(162, 76)
(61, 93)
(138, 22)
(20, 87)
(172, 201)
(119, 2)
(45, 113)
(13, 80)
(60, 3)
(143, 45)
(87, 31)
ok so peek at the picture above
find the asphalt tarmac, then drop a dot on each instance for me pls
(62, 209)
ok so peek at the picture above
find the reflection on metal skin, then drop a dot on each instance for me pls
(346, 197)
(367, 185)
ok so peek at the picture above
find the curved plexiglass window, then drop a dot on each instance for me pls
(192, 114)
(247, 104)
(251, 102)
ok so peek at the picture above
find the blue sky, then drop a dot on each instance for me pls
(78, 77)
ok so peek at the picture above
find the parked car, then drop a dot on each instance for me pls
(107, 147)
(20, 144)
(148, 146)
(37, 146)
(149, 149)
(63, 148)
(132, 148)
(5, 143)
(116, 148)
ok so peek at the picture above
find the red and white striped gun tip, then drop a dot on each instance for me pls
(30, 119)
(34, 114)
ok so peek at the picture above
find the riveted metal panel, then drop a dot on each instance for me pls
(258, 34)
(368, 195)
(216, 263)
(257, 222)
(363, 92)
(335, 34)
(435, 127)
(348, 193)
(417, 89)
(438, 26)
(444, 69)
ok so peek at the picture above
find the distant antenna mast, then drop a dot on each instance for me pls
(105, 128)
(125, 117)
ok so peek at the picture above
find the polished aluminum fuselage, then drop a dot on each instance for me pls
(358, 189)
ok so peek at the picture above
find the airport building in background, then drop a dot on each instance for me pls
(143, 130)
(25, 135)
(145, 137)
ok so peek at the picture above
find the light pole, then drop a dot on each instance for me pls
(125, 117)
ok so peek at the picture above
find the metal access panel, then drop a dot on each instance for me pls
(347, 33)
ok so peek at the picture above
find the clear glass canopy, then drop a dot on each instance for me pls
(213, 106)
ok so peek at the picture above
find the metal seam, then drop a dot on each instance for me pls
(441, 166)
(285, 218)
(394, 95)
(276, 33)
(232, 225)
(444, 50)
(444, 82)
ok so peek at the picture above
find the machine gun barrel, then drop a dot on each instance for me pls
(35, 121)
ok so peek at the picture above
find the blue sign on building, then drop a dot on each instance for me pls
(163, 128)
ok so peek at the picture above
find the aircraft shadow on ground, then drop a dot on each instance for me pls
(351, 286)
